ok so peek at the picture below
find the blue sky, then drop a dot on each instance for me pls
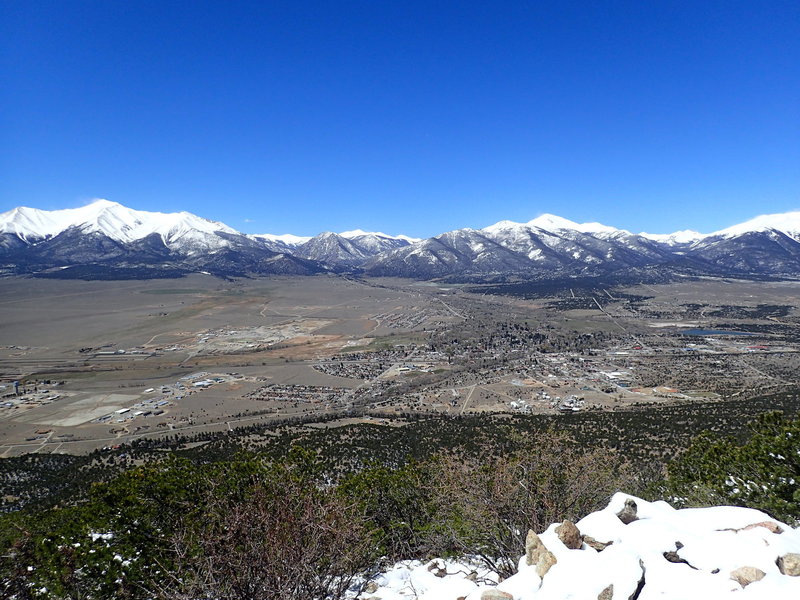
(405, 117)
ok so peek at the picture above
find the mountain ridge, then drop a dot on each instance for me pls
(109, 235)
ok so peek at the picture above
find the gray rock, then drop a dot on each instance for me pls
(607, 593)
(673, 556)
(569, 535)
(747, 575)
(597, 545)
(628, 513)
(789, 564)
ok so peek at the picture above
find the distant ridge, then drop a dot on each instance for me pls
(106, 238)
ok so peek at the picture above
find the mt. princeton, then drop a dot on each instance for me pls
(108, 240)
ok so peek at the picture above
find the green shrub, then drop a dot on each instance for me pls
(763, 472)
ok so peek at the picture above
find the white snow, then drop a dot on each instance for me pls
(715, 541)
(285, 238)
(550, 223)
(356, 233)
(114, 220)
(788, 223)
(685, 236)
(555, 223)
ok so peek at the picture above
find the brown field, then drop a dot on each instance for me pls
(105, 362)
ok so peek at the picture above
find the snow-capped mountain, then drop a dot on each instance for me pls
(545, 244)
(345, 249)
(787, 223)
(686, 236)
(349, 249)
(117, 222)
(106, 236)
(551, 244)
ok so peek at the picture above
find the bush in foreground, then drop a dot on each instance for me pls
(762, 472)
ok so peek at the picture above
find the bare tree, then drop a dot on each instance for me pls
(492, 501)
(286, 539)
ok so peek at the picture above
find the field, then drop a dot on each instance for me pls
(99, 363)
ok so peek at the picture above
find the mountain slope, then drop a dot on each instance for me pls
(106, 236)
(109, 236)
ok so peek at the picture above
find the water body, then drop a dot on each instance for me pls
(713, 332)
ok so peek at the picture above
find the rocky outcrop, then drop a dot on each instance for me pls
(537, 555)
(648, 550)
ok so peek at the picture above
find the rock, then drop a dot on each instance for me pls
(593, 543)
(537, 554)
(768, 525)
(371, 587)
(569, 535)
(628, 513)
(640, 585)
(495, 594)
(771, 526)
(607, 593)
(673, 556)
(789, 564)
(747, 575)
(547, 560)
(532, 544)
(437, 569)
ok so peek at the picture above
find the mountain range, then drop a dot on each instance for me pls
(108, 240)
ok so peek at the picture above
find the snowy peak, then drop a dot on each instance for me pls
(360, 233)
(111, 219)
(787, 223)
(686, 236)
(552, 224)
(287, 239)
(555, 223)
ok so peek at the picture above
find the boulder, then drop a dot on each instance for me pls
(747, 575)
(537, 554)
(569, 535)
(628, 512)
(789, 564)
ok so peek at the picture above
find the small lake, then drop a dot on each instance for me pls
(713, 332)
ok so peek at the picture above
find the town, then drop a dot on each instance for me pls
(219, 355)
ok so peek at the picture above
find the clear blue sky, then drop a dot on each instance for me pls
(406, 117)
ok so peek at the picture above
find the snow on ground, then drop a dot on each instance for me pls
(689, 554)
